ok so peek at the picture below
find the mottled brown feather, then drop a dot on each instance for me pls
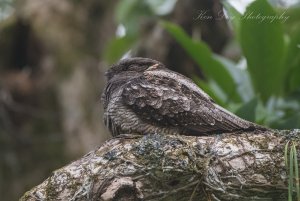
(143, 96)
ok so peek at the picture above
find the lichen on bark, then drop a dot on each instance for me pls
(229, 166)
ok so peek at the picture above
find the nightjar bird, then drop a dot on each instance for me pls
(142, 96)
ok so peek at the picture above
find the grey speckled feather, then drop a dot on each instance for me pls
(142, 96)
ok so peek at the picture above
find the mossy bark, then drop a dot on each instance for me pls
(232, 166)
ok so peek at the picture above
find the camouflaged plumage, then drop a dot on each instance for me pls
(142, 96)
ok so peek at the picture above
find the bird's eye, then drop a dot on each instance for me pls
(135, 67)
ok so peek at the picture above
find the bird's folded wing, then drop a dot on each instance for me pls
(166, 102)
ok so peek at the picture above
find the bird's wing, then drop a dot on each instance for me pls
(166, 101)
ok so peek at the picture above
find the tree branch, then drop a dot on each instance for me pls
(236, 166)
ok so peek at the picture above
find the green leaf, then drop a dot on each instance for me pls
(247, 111)
(296, 172)
(241, 78)
(290, 16)
(130, 13)
(210, 90)
(291, 175)
(292, 61)
(234, 17)
(117, 47)
(263, 45)
(203, 56)
(286, 160)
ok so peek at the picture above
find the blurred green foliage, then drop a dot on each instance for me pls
(129, 15)
(291, 163)
(272, 52)
(263, 46)
(264, 85)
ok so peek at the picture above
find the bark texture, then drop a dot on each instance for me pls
(52, 64)
(236, 166)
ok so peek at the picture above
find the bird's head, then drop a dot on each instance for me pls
(132, 67)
